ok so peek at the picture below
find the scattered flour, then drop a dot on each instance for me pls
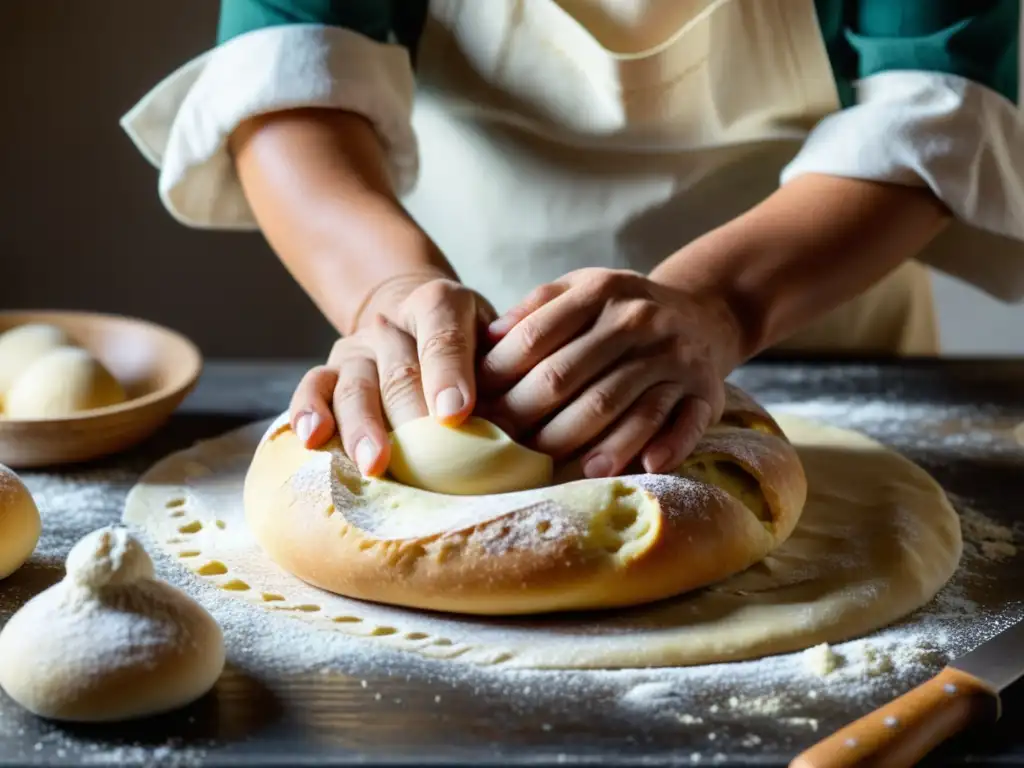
(985, 538)
(747, 701)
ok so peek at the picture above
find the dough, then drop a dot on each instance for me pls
(109, 642)
(580, 545)
(19, 523)
(63, 382)
(877, 540)
(21, 346)
(473, 459)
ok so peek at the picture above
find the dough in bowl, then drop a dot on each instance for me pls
(22, 346)
(585, 544)
(109, 642)
(19, 523)
(63, 382)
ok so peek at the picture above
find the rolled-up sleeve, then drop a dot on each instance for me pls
(276, 55)
(931, 99)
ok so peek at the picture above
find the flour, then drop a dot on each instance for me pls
(772, 692)
(957, 428)
(986, 539)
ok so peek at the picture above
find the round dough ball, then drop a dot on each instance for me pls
(109, 642)
(61, 383)
(474, 459)
(22, 346)
(19, 523)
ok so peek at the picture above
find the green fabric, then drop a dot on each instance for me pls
(377, 19)
(975, 39)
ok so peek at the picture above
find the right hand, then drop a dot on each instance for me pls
(415, 359)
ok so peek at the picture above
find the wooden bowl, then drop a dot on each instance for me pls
(156, 366)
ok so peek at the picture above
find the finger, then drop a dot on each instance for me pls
(537, 336)
(644, 420)
(561, 376)
(602, 404)
(671, 447)
(310, 409)
(444, 321)
(360, 419)
(398, 369)
(537, 298)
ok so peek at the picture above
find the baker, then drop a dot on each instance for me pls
(576, 217)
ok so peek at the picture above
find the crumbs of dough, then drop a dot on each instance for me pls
(822, 660)
(998, 550)
(986, 538)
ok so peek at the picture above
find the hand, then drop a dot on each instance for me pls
(612, 360)
(417, 358)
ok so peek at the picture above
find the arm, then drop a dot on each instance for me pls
(317, 184)
(814, 244)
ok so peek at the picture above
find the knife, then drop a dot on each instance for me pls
(965, 693)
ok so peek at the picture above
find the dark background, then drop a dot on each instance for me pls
(81, 226)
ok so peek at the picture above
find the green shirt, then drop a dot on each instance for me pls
(975, 39)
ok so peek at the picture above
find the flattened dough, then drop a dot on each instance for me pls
(877, 539)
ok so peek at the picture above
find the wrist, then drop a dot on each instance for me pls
(814, 244)
(386, 297)
(711, 274)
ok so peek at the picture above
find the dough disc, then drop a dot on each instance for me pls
(877, 539)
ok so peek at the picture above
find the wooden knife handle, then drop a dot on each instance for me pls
(905, 730)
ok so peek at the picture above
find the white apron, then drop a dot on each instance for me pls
(561, 135)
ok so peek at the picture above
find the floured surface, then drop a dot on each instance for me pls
(877, 540)
(338, 697)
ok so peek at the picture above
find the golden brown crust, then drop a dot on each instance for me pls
(583, 545)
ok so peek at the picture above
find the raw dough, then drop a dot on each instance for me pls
(63, 382)
(19, 523)
(877, 539)
(474, 459)
(579, 545)
(109, 642)
(23, 345)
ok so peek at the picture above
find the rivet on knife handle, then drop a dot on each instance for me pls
(902, 732)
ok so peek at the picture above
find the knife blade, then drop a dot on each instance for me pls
(965, 693)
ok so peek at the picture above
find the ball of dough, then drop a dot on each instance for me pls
(109, 642)
(61, 383)
(19, 523)
(22, 346)
(475, 458)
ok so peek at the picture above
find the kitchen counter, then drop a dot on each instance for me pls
(958, 419)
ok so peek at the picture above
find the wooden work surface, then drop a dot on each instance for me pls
(390, 717)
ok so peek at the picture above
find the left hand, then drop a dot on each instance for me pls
(615, 361)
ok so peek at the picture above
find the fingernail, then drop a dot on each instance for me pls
(597, 466)
(306, 425)
(499, 326)
(366, 454)
(656, 461)
(449, 402)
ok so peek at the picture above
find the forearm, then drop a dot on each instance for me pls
(317, 183)
(814, 244)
